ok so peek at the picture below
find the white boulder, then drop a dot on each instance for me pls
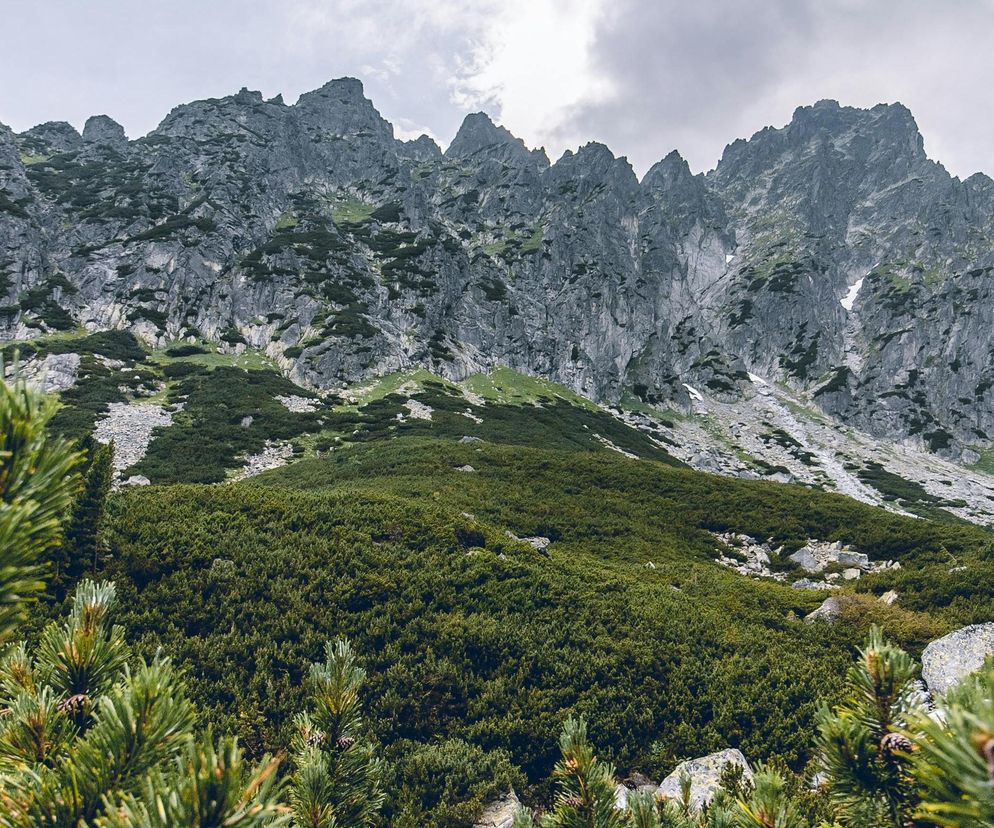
(950, 659)
(705, 775)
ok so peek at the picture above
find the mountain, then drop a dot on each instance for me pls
(831, 256)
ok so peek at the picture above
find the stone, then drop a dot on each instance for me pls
(805, 558)
(857, 559)
(950, 659)
(852, 574)
(705, 775)
(130, 427)
(137, 480)
(829, 612)
(538, 543)
(467, 468)
(889, 597)
(464, 440)
(499, 813)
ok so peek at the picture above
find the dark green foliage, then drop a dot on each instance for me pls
(90, 739)
(185, 349)
(377, 546)
(79, 553)
(208, 436)
(553, 424)
(388, 212)
(893, 486)
(447, 783)
(120, 345)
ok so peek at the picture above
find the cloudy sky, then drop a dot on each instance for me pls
(643, 76)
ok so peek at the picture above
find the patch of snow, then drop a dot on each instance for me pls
(469, 415)
(694, 393)
(418, 410)
(849, 299)
(757, 380)
(729, 257)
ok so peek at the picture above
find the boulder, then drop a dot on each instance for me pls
(854, 559)
(950, 659)
(889, 597)
(467, 468)
(805, 558)
(469, 439)
(499, 813)
(829, 612)
(852, 574)
(705, 774)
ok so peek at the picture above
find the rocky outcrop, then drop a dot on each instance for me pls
(499, 813)
(705, 775)
(830, 611)
(831, 256)
(950, 659)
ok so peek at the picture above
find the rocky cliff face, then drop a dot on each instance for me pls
(831, 255)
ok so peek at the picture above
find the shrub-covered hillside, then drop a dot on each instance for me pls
(476, 641)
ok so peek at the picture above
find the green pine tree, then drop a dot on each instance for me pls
(38, 481)
(862, 743)
(337, 778)
(87, 735)
(585, 786)
(953, 762)
(769, 804)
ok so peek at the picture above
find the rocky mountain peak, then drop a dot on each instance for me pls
(479, 134)
(101, 129)
(56, 136)
(340, 107)
(422, 148)
(673, 172)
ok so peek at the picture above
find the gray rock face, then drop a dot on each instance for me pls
(831, 255)
(950, 659)
(499, 813)
(705, 774)
(99, 129)
(830, 611)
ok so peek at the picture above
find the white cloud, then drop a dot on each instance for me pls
(532, 65)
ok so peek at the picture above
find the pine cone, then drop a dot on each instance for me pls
(345, 742)
(573, 801)
(895, 743)
(74, 704)
(315, 738)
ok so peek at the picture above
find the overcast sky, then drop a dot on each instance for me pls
(643, 76)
